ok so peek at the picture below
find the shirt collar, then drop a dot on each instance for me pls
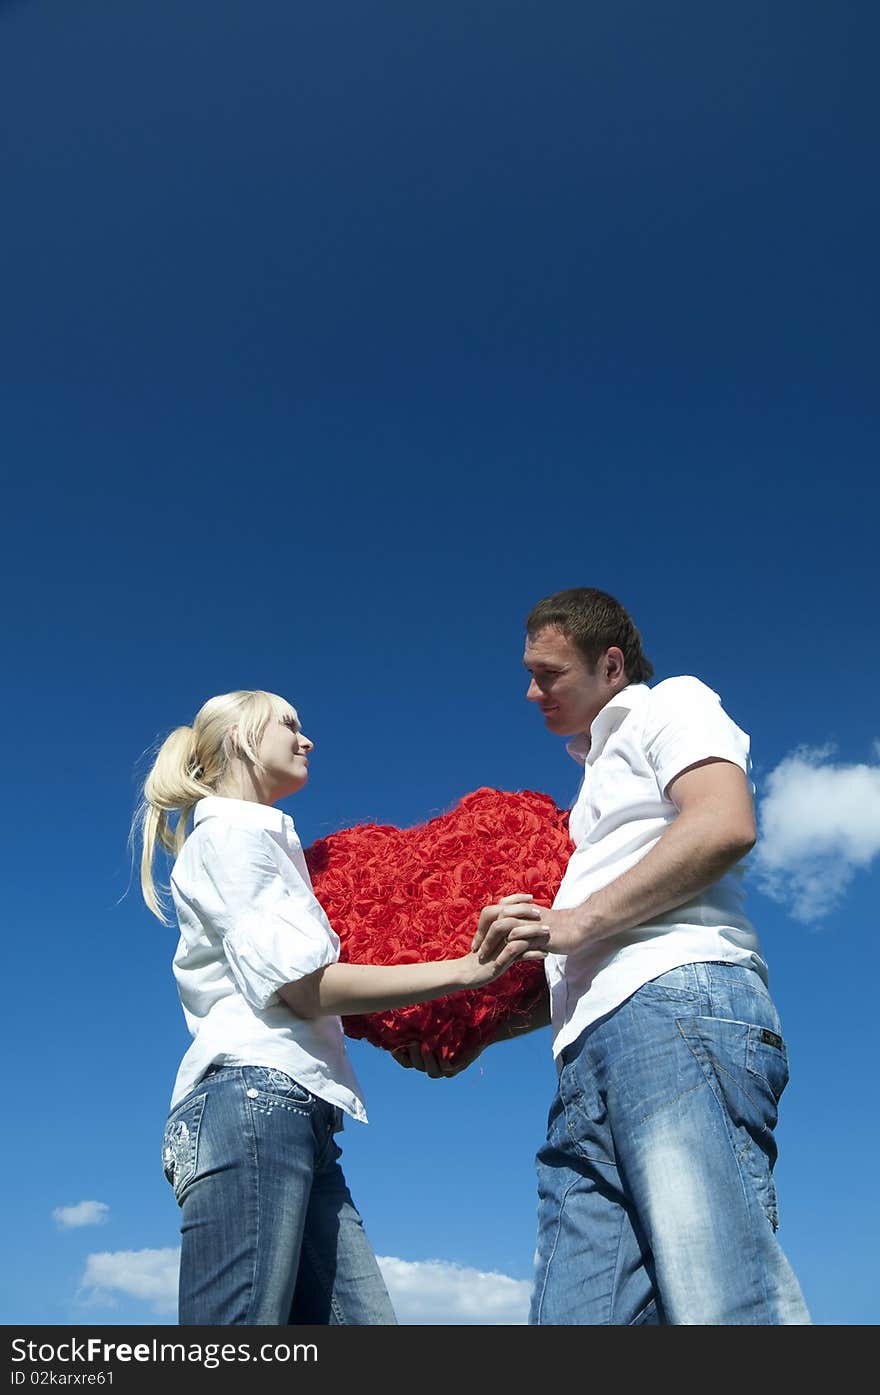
(242, 812)
(583, 748)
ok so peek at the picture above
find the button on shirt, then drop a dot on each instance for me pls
(249, 923)
(640, 741)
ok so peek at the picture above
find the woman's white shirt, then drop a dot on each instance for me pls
(249, 923)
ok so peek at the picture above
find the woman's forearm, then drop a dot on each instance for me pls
(350, 989)
(343, 989)
(340, 989)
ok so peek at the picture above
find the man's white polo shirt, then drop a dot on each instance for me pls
(641, 740)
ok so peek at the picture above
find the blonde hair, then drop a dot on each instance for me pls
(190, 764)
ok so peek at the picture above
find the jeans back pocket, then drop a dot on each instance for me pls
(180, 1144)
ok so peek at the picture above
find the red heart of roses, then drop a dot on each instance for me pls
(397, 896)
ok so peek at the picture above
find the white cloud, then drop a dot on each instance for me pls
(436, 1292)
(83, 1213)
(147, 1274)
(425, 1291)
(819, 826)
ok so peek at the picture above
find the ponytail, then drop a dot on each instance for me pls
(176, 782)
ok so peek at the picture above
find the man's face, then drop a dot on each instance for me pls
(569, 693)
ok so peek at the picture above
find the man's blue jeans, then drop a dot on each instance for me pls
(656, 1201)
(270, 1233)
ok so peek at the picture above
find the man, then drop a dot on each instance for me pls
(656, 1194)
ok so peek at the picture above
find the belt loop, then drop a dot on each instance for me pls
(702, 983)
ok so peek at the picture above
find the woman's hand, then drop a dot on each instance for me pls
(497, 921)
(517, 934)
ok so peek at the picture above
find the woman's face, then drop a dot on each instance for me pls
(284, 755)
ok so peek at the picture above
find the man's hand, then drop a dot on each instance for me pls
(494, 927)
(418, 1057)
(500, 923)
(519, 904)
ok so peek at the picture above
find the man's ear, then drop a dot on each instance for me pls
(613, 665)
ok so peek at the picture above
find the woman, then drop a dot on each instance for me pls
(270, 1232)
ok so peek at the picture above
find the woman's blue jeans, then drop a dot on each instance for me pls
(270, 1233)
(656, 1201)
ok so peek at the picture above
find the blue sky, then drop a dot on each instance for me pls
(334, 337)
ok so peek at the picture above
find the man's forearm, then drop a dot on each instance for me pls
(689, 856)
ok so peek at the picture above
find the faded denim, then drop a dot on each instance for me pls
(270, 1233)
(656, 1199)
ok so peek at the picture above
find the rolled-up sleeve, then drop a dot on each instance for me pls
(274, 931)
(685, 724)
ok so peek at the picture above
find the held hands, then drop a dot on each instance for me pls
(512, 929)
(565, 929)
(520, 932)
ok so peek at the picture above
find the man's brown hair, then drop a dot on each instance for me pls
(593, 621)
